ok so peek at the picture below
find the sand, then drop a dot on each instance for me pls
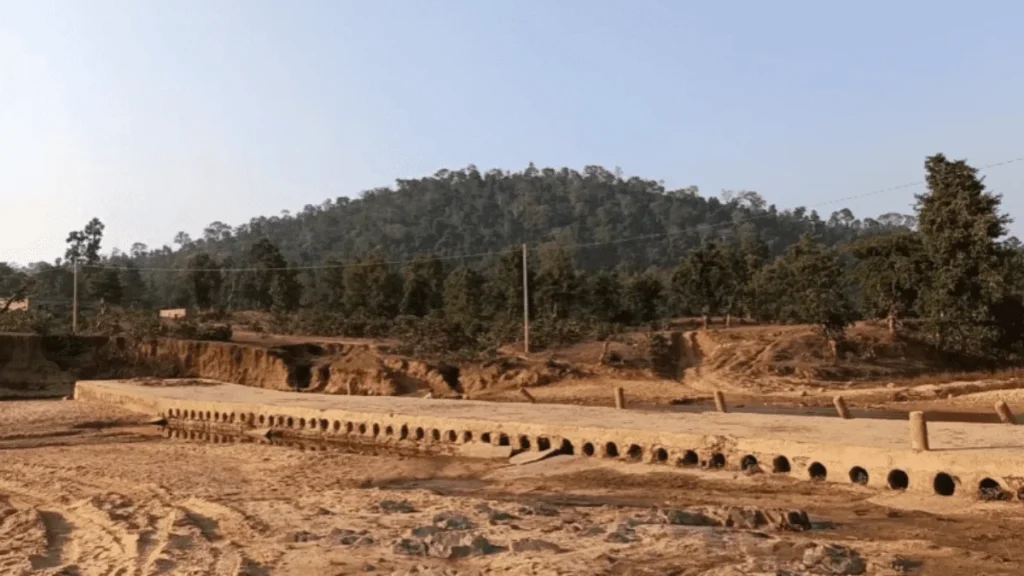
(86, 489)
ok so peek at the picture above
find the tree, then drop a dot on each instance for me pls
(643, 297)
(558, 289)
(204, 280)
(423, 287)
(463, 297)
(807, 283)
(271, 284)
(84, 244)
(372, 289)
(605, 299)
(969, 288)
(890, 271)
(700, 282)
(105, 285)
(134, 288)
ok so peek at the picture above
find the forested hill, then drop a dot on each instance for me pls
(457, 212)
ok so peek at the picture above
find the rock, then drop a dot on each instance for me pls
(688, 518)
(395, 507)
(529, 456)
(410, 547)
(623, 534)
(834, 559)
(303, 536)
(534, 545)
(453, 521)
(344, 537)
(499, 517)
(539, 510)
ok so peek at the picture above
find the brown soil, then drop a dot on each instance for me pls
(87, 489)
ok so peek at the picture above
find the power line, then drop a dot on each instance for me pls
(700, 227)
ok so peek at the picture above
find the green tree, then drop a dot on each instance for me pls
(134, 288)
(558, 288)
(423, 287)
(700, 282)
(84, 245)
(890, 271)
(463, 296)
(105, 285)
(372, 289)
(204, 280)
(643, 297)
(605, 299)
(270, 284)
(969, 291)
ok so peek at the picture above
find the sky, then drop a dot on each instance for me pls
(160, 116)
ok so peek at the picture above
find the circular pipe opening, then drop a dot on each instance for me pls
(991, 490)
(524, 442)
(661, 455)
(944, 484)
(817, 471)
(376, 429)
(323, 424)
(337, 426)
(859, 475)
(453, 437)
(588, 449)
(420, 434)
(362, 428)
(467, 436)
(403, 432)
(717, 461)
(897, 480)
(348, 427)
(503, 440)
(389, 431)
(567, 447)
(635, 452)
(611, 450)
(543, 443)
(263, 419)
(291, 422)
(302, 423)
(780, 465)
(485, 437)
(749, 462)
(689, 458)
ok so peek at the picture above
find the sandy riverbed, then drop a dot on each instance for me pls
(85, 489)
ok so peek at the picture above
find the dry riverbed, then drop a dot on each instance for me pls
(86, 489)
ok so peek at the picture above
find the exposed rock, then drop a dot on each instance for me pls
(453, 521)
(534, 545)
(395, 507)
(833, 560)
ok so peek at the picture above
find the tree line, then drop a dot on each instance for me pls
(949, 266)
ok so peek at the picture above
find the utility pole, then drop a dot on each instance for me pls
(74, 300)
(526, 306)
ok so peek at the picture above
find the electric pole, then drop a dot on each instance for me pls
(526, 306)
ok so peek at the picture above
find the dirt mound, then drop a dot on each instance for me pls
(799, 353)
(511, 372)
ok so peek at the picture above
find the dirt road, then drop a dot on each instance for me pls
(85, 489)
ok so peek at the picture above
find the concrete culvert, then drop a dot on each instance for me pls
(376, 429)
(611, 450)
(944, 484)
(898, 480)
(817, 471)
(452, 436)
(689, 458)
(567, 448)
(216, 416)
(467, 436)
(362, 428)
(524, 442)
(207, 415)
(403, 432)
(780, 465)
(543, 443)
(302, 423)
(635, 452)
(263, 419)
(503, 440)
(588, 449)
(389, 431)
(859, 475)
(990, 490)
(485, 437)
(749, 462)
(420, 434)
(717, 460)
(337, 426)
(323, 424)
(291, 422)
(348, 427)
(435, 435)
(661, 455)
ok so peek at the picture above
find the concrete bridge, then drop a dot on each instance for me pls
(964, 460)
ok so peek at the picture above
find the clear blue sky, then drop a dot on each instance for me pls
(165, 116)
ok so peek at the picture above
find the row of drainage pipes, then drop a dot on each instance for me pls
(943, 484)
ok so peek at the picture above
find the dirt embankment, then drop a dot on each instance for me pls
(34, 366)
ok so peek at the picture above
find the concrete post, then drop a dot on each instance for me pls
(528, 396)
(841, 408)
(720, 401)
(620, 398)
(1005, 414)
(918, 431)
(348, 387)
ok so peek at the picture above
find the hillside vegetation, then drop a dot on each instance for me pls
(606, 253)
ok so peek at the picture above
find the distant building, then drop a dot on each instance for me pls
(174, 314)
(19, 305)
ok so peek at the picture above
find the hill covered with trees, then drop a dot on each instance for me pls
(437, 260)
